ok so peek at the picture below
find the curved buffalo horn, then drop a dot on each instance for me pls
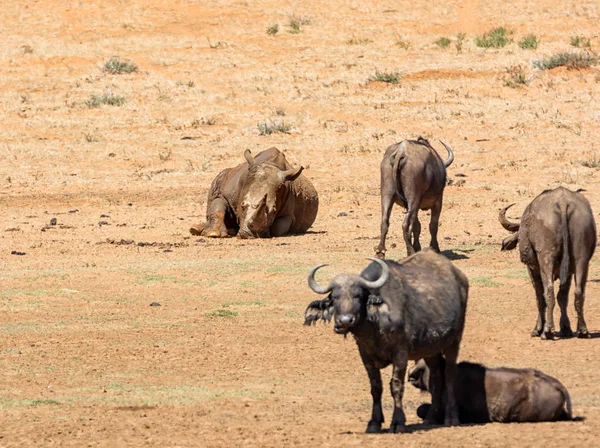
(249, 158)
(508, 225)
(313, 283)
(385, 273)
(450, 158)
(291, 174)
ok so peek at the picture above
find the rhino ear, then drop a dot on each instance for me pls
(291, 174)
(509, 243)
(319, 309)
(249, 158)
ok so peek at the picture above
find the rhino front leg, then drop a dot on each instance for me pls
(215, 226)
(281, 226)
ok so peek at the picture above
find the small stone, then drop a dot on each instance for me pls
(155, 304)
(53, 222)
(342, 214)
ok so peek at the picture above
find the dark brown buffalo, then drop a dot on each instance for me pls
(414, 176)
(556, 238)
(263, 197)
(501, 395)
(399, 311)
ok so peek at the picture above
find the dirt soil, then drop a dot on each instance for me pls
(225, 360)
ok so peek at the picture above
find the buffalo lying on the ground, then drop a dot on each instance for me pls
(556, 238)
(264, 197)
(500, 395)
(413, 175)
(399, 311)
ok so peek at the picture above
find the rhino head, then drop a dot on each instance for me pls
(262, 195)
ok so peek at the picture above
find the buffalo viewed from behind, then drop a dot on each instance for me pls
(264, 197)
(399, 311)
(413, 175)
(500, 395)
(556, 238)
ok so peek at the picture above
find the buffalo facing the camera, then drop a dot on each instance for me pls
(399, 311)
(500, 395)
(556, 238)
(413, 175)
(262, 198)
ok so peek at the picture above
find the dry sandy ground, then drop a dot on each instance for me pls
(225, 360)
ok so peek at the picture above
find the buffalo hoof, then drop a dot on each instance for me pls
(584, 334)
(536, 333)
(379, 253)
(451, 421)
(565, 333)
(397, 428)
(547, 336)
(373, 427)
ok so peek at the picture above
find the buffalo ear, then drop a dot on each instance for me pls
(509, 243)
(319, 309)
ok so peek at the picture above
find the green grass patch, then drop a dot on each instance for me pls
(242, 303)
(116, 66)
(594, 162)
(516, 77)
(484, 281)
(273, 29)
(496, 38)
(529, 42)
(569, 59)
(109, 99)
(224, 314)
(358, 41)
(580, 42)
(460, 40)
(389, 77)
(443, 42)
(296, 23)
(273, 127)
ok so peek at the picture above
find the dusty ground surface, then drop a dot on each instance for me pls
(225, 360)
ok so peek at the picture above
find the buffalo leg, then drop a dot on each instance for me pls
(563, 300)
(450, 376)
(546, 268)
(374, 373)
(397, 388)
(408, 226)
(536, 279)
(416, 234)
(281, 226)
(435, 413)
(388, 193)
(581, 273)
(434, 224)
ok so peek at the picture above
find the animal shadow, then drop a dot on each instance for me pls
(411, 428)
(455, 255)
(592, 335)
(313, 232)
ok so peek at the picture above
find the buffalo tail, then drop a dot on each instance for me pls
(564, 264)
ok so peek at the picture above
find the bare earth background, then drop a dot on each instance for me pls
(225, 360)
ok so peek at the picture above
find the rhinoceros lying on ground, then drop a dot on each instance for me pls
(261, 198)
